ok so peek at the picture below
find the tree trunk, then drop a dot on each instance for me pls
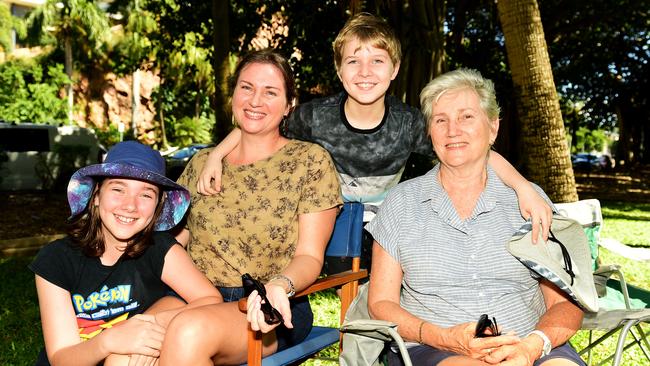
(68, 71)
(547, 159)
(420, 30)
(135, 102)
(221, 42)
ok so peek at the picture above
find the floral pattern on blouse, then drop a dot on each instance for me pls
(252, 224)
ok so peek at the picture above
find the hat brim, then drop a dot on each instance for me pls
(83, 182)
(545, 259)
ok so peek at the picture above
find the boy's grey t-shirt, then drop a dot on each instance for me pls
(369, 162)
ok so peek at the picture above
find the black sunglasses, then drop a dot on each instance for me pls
(484, 323)
(271, 315)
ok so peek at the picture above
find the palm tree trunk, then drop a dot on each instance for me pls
(68, 71)
(547, 160)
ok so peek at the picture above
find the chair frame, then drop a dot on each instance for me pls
(627, 325)
(348, 281)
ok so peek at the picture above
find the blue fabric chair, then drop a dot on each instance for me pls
(346, 242)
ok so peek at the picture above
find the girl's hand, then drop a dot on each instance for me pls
(137, 335)
(533, 206)
(209, 182)
(140, 360)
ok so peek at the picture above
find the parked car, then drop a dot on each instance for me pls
(177, 160)
(590, 162)
(40, 156)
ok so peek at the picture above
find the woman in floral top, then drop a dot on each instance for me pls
(272, 219)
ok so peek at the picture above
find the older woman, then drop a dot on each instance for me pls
(272, 219)
(440, 258)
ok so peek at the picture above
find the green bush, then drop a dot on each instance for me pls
(188, 130)
(28, 93)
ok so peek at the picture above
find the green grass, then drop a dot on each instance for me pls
(20, 325)
(20, 332)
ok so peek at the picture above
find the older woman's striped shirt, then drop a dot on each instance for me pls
(454, 269)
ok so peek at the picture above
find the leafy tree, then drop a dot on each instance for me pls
(80, 25)
(30, 93)
(8, 24)
(547, 156)
(135, 49)
(600, 52)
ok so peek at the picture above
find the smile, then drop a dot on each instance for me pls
(124, 219)
(254, 115)
(457, 144)
(366, 85)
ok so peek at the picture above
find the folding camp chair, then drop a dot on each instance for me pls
(364, 339)
(319, 337)
(617, 299)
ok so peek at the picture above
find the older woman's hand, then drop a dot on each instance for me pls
(461, 339)
(533, 206)
(519, 354)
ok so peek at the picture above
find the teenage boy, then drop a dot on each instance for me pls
(369, 134)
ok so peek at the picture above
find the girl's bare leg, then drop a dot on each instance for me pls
(166, 303)
(207, 335)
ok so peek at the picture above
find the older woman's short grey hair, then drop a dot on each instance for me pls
(456, 80)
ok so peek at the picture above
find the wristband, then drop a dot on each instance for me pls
(546, 349)
(292, 289)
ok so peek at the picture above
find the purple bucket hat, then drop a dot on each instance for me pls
(131, 159)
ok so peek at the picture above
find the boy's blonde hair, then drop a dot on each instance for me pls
(370, 29)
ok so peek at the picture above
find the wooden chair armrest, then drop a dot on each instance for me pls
(321, 284)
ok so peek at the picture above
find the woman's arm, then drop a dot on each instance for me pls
(531, 204)
(560, 322)
(384, 303)
(212, 167)
(139, 334)
(314, 231)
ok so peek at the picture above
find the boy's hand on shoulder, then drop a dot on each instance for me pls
(534, 207)
(209, 181)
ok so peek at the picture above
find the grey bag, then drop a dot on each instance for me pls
(364, 338)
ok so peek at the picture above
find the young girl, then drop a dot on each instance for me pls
(102, 288)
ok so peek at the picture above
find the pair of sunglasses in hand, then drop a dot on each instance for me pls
(271, 314)
(484, 324)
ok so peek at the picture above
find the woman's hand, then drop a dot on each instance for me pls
(518, 354)
(460, 339)
(278, 299)
(533, 206)
(209, 182)
(137, 335)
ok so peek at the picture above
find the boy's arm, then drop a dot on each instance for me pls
(531, 204)
(209, 181)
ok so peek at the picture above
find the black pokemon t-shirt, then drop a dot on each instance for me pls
(103, 296)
